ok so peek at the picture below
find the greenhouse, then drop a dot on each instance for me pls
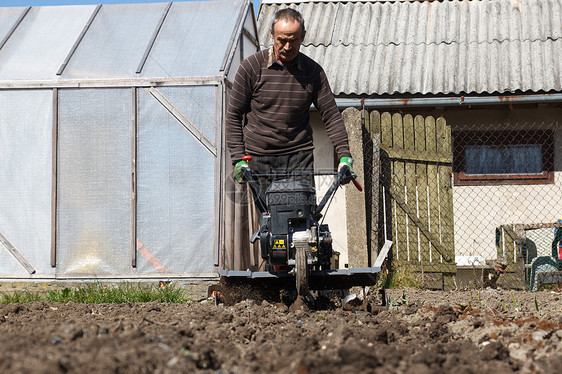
(112, 161)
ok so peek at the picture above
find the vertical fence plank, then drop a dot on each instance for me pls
(510, 233)
(410, 183)
(374, 126)
(421, 171)
(398, 183)
(386, 130)
(431, 145)
(445, 187)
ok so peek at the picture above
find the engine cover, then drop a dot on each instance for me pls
(289, 224)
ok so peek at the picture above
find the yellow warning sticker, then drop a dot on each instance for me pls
(279, 243)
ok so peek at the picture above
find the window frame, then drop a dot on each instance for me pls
(464, 138)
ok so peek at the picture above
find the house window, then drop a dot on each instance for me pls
(503, 157)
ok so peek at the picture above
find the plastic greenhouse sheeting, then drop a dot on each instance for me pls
(42, 41)
(94, 181)
(115, 42)
(26, 119)
(193, 40)
(8, 18)
(204, 43)
(176, 183)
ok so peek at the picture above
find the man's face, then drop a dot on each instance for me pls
(287, 40)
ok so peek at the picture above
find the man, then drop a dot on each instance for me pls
(269, 109)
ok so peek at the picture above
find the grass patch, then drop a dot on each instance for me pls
(20, 297)
(99, 293)
(401, 276)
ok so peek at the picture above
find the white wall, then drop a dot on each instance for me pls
(478, 210)
(324, 161)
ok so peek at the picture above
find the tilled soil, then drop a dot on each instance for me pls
(487, 331)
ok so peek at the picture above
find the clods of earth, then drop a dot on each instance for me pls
(486, 331)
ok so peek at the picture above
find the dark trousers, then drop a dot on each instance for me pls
(295, 166)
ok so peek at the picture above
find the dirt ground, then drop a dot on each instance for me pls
(486, 331)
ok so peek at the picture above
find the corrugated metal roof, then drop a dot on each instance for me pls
(388, 47)
(115, 42)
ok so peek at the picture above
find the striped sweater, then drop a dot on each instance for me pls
(276, 101)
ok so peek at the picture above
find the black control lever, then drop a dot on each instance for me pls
(259, 196)
(344, 176)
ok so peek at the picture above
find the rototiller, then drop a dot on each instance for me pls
(293, 243)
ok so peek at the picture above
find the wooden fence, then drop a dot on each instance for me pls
(416, 177)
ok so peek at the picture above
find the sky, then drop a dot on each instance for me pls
(82, 2)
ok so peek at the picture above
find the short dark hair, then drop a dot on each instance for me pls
(288, 14)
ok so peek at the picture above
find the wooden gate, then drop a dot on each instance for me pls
(416, 167)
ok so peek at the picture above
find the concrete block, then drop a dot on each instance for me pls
(355, 200)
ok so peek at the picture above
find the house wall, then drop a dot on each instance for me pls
(324, 160)
(478, 210)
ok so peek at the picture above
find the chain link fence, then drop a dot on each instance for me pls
(469, 198)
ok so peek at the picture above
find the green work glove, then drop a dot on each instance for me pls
(238, 177)
(349, 162)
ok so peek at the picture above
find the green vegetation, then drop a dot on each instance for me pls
(536, 303)
(402, 276)
(516, 304)
(98, 293)
(186, 352)
(404, 301)
(20, 297)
